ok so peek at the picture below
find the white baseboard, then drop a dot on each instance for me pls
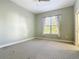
(21, 41)
(17, 42)
(55, 39)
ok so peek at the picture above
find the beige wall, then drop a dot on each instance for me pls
(16, 23)
(67, 23)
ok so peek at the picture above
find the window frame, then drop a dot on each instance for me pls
(50, 33)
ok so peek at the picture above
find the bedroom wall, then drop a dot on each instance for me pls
(16, 23)
(67, 23)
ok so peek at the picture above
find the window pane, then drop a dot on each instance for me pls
(47, 21)
(46, 29)
(54, 20)
(54, 29)
(54, 25)
(47, 26)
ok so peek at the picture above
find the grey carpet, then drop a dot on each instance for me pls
(42, 49)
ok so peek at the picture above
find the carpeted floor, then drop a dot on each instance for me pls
(40, 49)
(43, 49)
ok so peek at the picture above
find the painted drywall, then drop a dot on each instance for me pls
(16, 23)
(67, 23)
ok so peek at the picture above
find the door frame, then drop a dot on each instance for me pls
(76, 28)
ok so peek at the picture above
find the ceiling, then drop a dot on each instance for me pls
(39, 7)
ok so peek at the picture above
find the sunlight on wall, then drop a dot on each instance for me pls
(16, 26)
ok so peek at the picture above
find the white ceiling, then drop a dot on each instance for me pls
(39, 7)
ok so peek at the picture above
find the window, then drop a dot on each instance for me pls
(51, 25)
